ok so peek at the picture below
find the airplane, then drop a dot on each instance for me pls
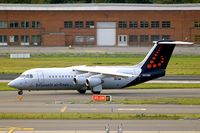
(97, 78)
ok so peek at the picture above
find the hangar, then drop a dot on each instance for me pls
(97, 24)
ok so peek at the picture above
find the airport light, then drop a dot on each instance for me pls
(102, 98)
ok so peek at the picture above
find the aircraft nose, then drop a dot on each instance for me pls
(13, 84)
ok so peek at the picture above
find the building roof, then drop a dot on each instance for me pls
(97, 7)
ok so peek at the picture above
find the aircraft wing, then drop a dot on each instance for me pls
(102, 70)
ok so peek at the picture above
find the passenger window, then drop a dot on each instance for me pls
(52, 76)
(31, 75)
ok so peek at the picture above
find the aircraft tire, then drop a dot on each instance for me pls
(82, 91)
(96, 92)
(20, 92)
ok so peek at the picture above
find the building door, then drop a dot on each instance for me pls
(122, 40)
(106, 33)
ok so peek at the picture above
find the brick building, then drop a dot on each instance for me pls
(97, 24)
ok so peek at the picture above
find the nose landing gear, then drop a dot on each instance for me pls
(20, 92)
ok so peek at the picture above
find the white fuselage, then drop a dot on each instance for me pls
(63, 78)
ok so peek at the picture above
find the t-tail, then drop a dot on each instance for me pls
(155, 63)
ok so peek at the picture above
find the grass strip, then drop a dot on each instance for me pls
(95, 116)
(5, 87)
(165, 86)
(178, 101)
(178, 65)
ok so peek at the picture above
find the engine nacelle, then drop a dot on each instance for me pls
(93, 82)
(79, 80)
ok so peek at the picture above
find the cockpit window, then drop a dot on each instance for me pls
(26, 76)
(22, 76)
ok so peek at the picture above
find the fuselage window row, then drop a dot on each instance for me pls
(61, 76)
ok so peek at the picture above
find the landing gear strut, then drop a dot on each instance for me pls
(20, 92)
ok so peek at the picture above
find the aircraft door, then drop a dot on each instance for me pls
(40, 76)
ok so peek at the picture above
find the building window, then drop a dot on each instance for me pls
(3, 24)
(79, 39)
(122, 24)
(3, 38)
(79, 24)
(24, 24)
(90, 24)
(25, 39)
(35, 24)
(166, 24)
(155, 24)
(144, 38)
(68, 24)
(36, 39)
(155, 37)
(90, 39)
(144, 24)
(197, 38)
(133, 24)
(197, 24)
(166, 37)
(133, 38)
(14, 38)
(14, 24)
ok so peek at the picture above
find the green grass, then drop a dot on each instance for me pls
(165, 86)
(94, 116)
(5, 87)
(179, 101)
(179, 65)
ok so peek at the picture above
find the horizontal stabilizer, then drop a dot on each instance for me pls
(177, 42)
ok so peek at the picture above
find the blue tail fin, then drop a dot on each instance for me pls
(154, 64)
(158, 57)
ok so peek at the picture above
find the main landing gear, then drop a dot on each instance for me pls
(96, 92)
(82, 91)
(20, 92)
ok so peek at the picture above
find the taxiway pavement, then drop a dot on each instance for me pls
(99, 125)
(71, 101)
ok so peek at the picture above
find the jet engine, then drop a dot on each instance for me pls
(93, 82)
(79, 80)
